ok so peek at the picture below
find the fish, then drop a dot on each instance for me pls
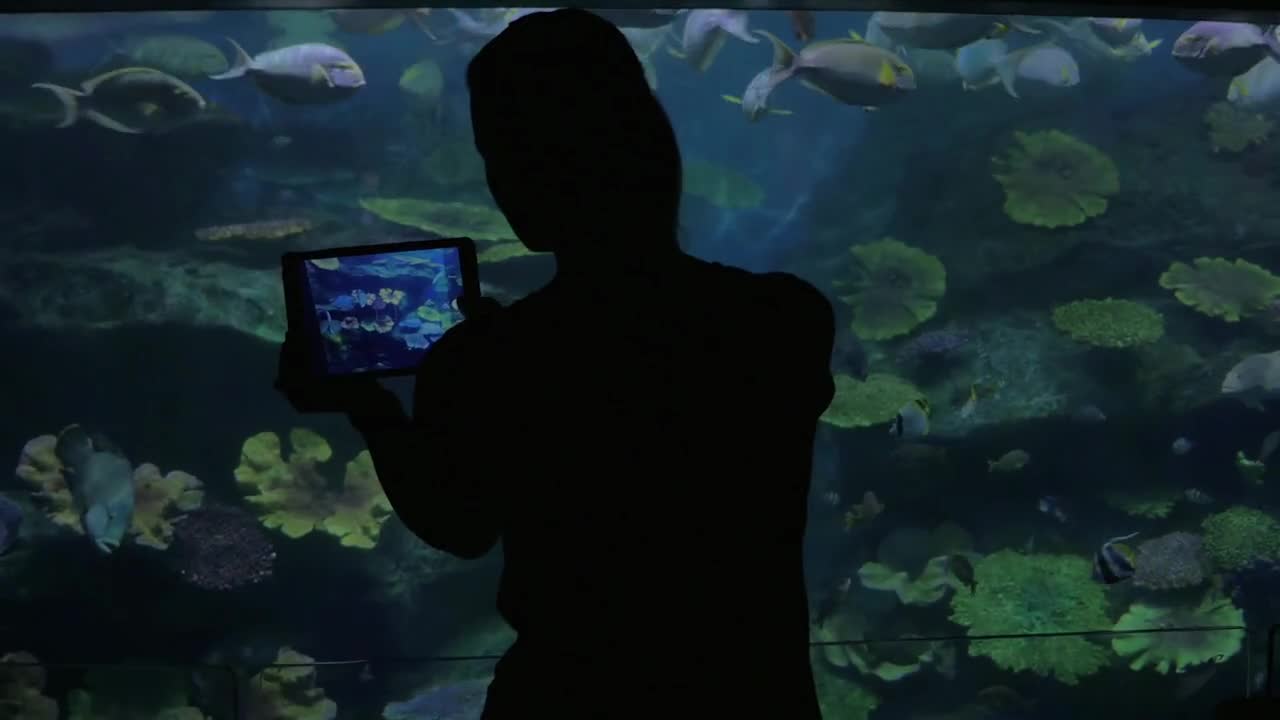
(831, 497)
(1251, 471)
(975, 63)
(863, 512)
(1089, 415)
(1269, 445)
(280, 142)
(1254, 379)
(129, 100)
(832, 601)
(1115, 31)
(101, 481)
(1114, 561)
(1182, 446)
(962, 569)
(851, 71)
(1258, 88)
(377, 21)
(1224, 49)
(306, 74)
(1198, 496)
(802, 24)
(182, 56)
(970, 405)
(705, 32)
(1012, 461)
(10, 523)
(938, 31)
(1046, 64)
(932, 67)
(755, 99)
(1052, 506)
(912, 420)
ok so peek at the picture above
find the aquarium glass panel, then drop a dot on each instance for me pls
(1052, 245)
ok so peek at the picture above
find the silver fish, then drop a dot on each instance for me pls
(705, 32)
(849, 70)
(306, 74)
(101, 482)
(129, 100)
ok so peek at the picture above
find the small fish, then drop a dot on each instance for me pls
(304, 74)
(755, 99)
(863, 512)
(912, 420)
(1114, 561)
(1012, 461)
(832, 601)
(1198, 496)
(1047, 65)
(962, 569)
(831, 497)
(1050, 505)
(970, 405)
(10, 523)
(1089, 415)
(1182, 446)
(1252, 471)
(280, 142)
(366, 673)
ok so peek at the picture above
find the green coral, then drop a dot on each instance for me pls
(287, 691)
(1221, 288)
(840, 698)
(446, 219)
(1019, 593)
(925, 589)
(721, 186)
(1239, 536)
(295, 498)
(876, 400)
(1109, 323)
(22, 682)
(1052, 179)
(1178, 651)
(895, 288)
(1234, 129)
(1151, 503)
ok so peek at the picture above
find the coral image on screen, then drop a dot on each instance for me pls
(382, 311)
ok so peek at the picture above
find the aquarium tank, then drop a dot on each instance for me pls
(1044, 488)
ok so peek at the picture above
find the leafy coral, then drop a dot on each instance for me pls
(925, 589)
(1178, 651)
(840, 698)
(1239, 536)
(1234, 129)
(1052, 179)
(862, 403)
(895, 288)
(287, 691)
(1148, 502)
(721, 186)
(1109, 323)
(294, 497)
(22, 682)
(446, 219)
(1221, 288)
(1019, 593)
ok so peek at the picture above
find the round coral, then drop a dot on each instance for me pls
(1178, 651)
(1017, 593)
(876, 400)
(1234, 129)
(1221, 288)
(1175, 560)
(1239, 536)
(1109, 323)
(1052, 179)
(896, 287)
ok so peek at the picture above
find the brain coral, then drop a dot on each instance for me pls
(1109, 323)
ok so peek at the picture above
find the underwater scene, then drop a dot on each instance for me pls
(381, 311)
(1044, 488)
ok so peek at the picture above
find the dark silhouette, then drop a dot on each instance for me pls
(638, 433)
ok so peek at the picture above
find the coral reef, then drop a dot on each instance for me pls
(444, 219)
(1171, 561)
(1234, 129)
(876, 400)
(295, 498)
(888, 661)
(221, 547)
(925, 589)
(256, 230)
(159, 500)
(1178, 651)
(22, 684)
(894, 288)
(288, 691)
(1020, 593)
(1151, 503)
(1221, 288)
(720, 186)
(1053, 180)
(840, 698)
(124, 286)
(1240, 536)
(1109, 323)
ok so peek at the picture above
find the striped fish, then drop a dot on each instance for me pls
(1114, 561)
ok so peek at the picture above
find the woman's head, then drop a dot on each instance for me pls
(575, 143)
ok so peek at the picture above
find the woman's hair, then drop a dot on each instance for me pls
(560, 97)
